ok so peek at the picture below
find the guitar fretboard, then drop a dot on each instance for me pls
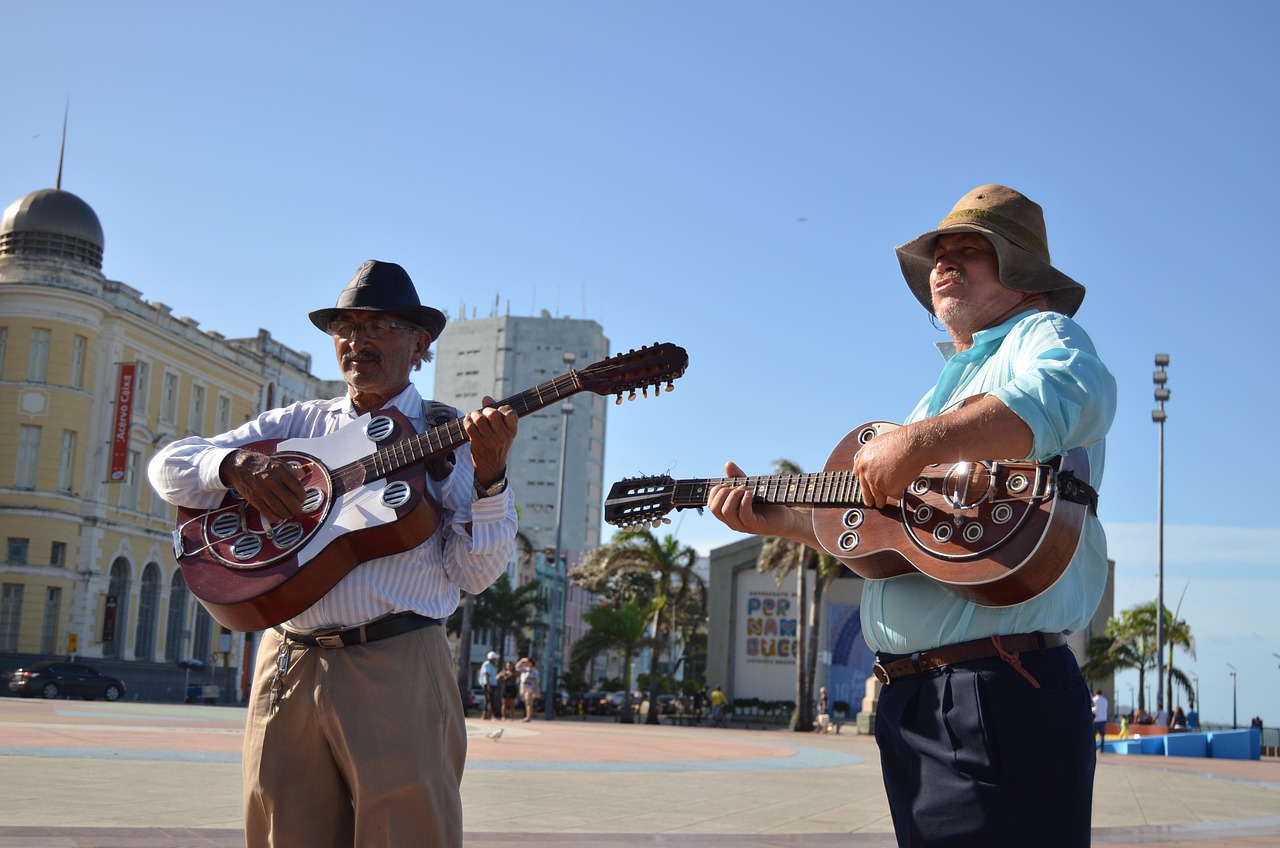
(448, 436)
(826, 488)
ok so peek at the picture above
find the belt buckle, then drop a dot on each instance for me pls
(880, 673)
(333, 640)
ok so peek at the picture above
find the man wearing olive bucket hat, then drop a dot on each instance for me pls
(355, 732)
(984, 720)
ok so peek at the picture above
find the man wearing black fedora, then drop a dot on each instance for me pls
(984, 721)
(355, 732)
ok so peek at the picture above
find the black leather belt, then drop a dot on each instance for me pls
(890, 667)
(382, 628)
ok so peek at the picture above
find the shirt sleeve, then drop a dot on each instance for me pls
(482, 531)
(1059, 386)
(186, 472)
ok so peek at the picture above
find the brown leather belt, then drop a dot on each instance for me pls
(890, 667)
(382, 628)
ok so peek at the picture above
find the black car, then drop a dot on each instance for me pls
(58, 679)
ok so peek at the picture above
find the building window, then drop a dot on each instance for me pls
(169, 398)
(174, 631)
(24, 476)
(78, 347)
(141, 387)
(195, 421)
(49, 632)
(144, 641)
(38, 362)
(10, 616)
(66, 460)
(129, 488)
(58, 554)
(222, 422)
(16, 551)
(118, 588)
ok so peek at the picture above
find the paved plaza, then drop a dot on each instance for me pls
(79, 774)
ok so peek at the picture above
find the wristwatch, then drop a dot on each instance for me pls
(489, 491)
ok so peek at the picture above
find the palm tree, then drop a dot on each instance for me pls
(623, 629)
(781, 557)
(636, 564)
(1129, 642)
(506, 610)
(461, 622)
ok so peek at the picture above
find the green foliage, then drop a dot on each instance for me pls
(1129, 642)
(655, 574)
(510, 611)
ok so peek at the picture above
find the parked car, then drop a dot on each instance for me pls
(57, 679)
(596, 703)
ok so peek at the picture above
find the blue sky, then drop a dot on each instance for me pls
(731, 177)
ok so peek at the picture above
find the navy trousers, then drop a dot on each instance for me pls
(974, 755)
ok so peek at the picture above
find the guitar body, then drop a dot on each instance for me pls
(251, 576)
(994, 533)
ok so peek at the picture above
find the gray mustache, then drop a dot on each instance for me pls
(361, 355)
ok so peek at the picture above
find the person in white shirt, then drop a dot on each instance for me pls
(1101, 709)
(488, 679)
(355, 732)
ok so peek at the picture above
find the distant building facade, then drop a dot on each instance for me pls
(752, 631)
(94, 379)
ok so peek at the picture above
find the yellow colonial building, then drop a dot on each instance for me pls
(93, 380)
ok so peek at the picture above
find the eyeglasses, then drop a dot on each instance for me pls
(371, 329)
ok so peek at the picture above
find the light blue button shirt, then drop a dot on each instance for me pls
(1044, 367)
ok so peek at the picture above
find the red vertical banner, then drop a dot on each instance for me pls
(123, 423)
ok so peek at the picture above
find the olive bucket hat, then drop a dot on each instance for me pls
(383, 287)
(1014, 224)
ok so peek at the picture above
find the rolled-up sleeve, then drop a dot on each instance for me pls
(1060, 387)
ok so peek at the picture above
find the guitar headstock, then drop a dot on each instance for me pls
(641, 501)
(637, 369)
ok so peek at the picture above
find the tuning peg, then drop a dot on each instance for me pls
(632, 396)
(644, 391)
(618, 400)
(671, 386)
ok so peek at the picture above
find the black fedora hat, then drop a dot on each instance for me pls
(383, 287)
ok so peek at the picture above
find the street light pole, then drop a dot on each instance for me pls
(1234, 722)
(556, 642)
(1160, 377)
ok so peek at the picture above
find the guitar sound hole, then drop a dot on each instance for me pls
(920, 486)
(379, 428)
(313, 500)
(972, 532)
(849, 541)
(1002, 514)
(246, 547)
(943, 533)
(396, 494)
(853, 518)
(225, 525)
(1018, 483)
(923, 513)
(287, 535)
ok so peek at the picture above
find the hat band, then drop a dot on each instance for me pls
(986, 216)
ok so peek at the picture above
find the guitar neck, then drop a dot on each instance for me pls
(446, 437)
(825, 488)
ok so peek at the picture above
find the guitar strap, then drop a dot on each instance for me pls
(436, 414)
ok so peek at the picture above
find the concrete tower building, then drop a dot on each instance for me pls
(504, 356)
(507, 355)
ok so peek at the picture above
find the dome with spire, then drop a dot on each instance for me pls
(52, 223)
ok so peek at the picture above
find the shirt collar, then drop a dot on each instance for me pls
(408, 402)
(984, 337)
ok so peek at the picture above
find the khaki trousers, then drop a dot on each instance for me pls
(365, 747)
